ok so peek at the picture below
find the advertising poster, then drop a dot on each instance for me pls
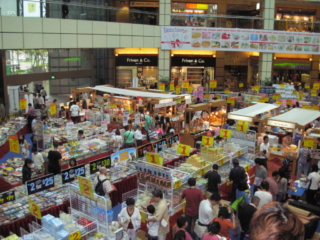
(125, 118)
(122, 156)
(227, 39)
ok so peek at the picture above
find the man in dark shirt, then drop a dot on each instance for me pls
(237, 174)
(214, 180)
(54, 157)
(245, 215)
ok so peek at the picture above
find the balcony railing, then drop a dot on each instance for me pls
(297, 26)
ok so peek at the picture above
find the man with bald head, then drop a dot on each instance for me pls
(107, 188)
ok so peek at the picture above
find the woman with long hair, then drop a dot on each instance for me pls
(26, 170)
(24, 146)
(282, 185)
(213, 231)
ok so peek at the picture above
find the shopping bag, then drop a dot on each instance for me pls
(237, 202)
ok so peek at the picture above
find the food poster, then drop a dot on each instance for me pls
(122, 156)
(226, 39)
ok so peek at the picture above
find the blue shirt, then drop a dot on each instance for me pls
(241, 193)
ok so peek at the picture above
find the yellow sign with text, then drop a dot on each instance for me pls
(23, 103)
(190, 88)
(171, 86)
(178, 89)
(207, 96)
(225, 133)
(242, 126)
(313, 92)
(281, 85)
(315, 107)
(279, 102)
(154, 158)
(183, 150)
(307, 86)
(310, 142)
(35, 209)
(289, 102)
(53, 108)
(162, 86)
(85, 186)
(227, 91)
(177, 184)
(256, 87)
(316, 85)
(213, 83)
(14, 144)
(240, 84)
(207, 141)
(306, 107)
(276, 96)
(231, 101)
(75, 235)
(185, 84)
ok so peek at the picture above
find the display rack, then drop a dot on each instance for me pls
(248, 139)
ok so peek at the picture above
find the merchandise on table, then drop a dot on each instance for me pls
(11, 128)
(212, 154)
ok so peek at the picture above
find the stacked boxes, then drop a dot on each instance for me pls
(212, 154)
(196, 161)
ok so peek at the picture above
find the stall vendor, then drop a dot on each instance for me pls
(80, 135)
(287, 140)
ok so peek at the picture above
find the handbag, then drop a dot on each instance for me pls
(237, 202)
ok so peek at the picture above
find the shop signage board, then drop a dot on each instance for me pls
(70, 174)
(193, 61)
(160, 145)
(230, 39)
(173, 139)
(137, 60)
(14, 144)
(40, 184)
(23, 103)
(8, 196)
(95, 165)
(207, 141)
(141, 151)
(127, 154)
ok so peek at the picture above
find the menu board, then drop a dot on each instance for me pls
(40, 184)
(228, 39)
(70, 174)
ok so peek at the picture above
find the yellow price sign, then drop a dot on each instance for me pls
(85, 186)
(111, 105)
(225, 133)
(295, 92)
(53, 109)
(289, 102)
(162, 86)
(23, 103)
(231, 101)
(316, 85)
(143, 217)
(217, 96)
(310, 142)
(154, 158)
(185, 84)
(240, 84)
(207, 96)
(314, 107)
(227, 91)
(261, 100)
(306, 107)
(190, 88)
(242, 126)
(313, 92)
(275, 96)
(256, 88)
(307, 86)
(207, 141)
(177, 184)
(228, 182)
(183, 150)
(202, 171)
(14, 144)
(75, 235)
(184, 207)
(279, 102)
(281, 85)
(247, 168)
(35, 209)
(213, 83)
(178, 89)
(171, 86)
(239, 153)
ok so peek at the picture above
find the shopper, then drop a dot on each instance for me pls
(26, 170)
(169, 128)
(243, 190)
(43, 94)
(264, 151)
(213, 231)
(101, 184)
(138, 136)
(303, 161)
(81, 135)
(37, 159)
(54, 158)
(44, 111)
(41, 101)
(56, 115)
(84, 103)
(159, 130)
(274, 221)
(237, 174)
(182, 225)
(128, 137)
(214, 180)
(153, 227)
(282, 185)
(153, 135)
(31, 115)
(118, 141)
(263, 194)
(72, 162)
(198, 101)
(193, 198)
(207, 214)
(24, 146)
(314, 178)
(74, 113)
(130, 219)
(260, 174)
(148, 122)
(273, 185)
(180, 235)
(161, 213)
(35, 101)
(225, 223)
(245, 214)
(287, 140)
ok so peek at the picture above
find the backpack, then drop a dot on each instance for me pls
(99, 187)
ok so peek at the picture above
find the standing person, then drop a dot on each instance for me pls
(56, 115)
(245, 214)
(273, 185)
(169, 128)
(31, 115)
(206, 214)
(193, 198)
(225, 223)
(218, 142)
(84, 103)
(303, 161)
(118, 141)
(40, 100)
(35, 101)
(37, 159)
(282, 185)
(182, 225)
(65, 9)
(243, 190)
(263, 194)
(148, 122)
(54, 158)
(264, 151)
(101, 184)
(237, 174)
(314, 178)
(26, 170)
(162, 215)
(153, 135)
(214, 180)
(138, 136)
(213, 231)
(260, 173)
(74, 112)
(130, 219)
(24, 146)
(43, 94)
(128, 137)
(153, 227)
(159, 130)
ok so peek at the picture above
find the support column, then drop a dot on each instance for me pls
(219, 70)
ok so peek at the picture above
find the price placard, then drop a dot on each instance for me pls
(225, 133)
(154, 158)
(70, 174)
(160, 145)
(306, 107)
(310, 142)
(173, 139)
(178, 89)
(35, 209)
(239, 153)
(8, 196)
(207, 141)
(307, 86)
(53, 108)
(23, 103)
(289, 102)
(177, 184)
(240, 84)
(313, 92)
(190, 88)
(202, 171)
(227, 91)
(40, 184)
(213, 83)
(281, 85)
(75, 235)
(14, 144)
(86, 188)
(256, 88)
(315, 107)
(162, 86)
(183, 150)
(95, 165)
(242, 126)
(316, 85)
(276, 96)
(206, 96)
(171, 86)
(185, 84)
(279, 102)
(231, 101)
(141, 151)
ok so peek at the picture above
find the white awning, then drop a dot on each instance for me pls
(298, 116)
(248, 113)
(127, 92)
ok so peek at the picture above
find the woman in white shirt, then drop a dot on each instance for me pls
(74, 112)
(130, 219)
(118, 141)
(314, 178)
(37, 159)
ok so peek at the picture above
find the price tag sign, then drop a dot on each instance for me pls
(295, 92)
(8, 196)
(53, 109)
(177, 184)
(70, 174)
(316, 86)
(154, 158)
(162, 86)
(173, 139)
(40, 184)
(95, 165)
(75, 235)
(185, 84)
(23, 103)
(183, 150)
(111, 105)
(306, 107)
(213, 83)
(256, 87)
(160, 145)
(14, 144)
(239, 153)
(225, 133)
(275, 96)
(281, 85)
(190, 88)
(261, 100)
(178, 89)
(86, 188)
(206, 96)
(279, 102)
(231, 101)
(35, 209)
(227, 91)
(171, 86)
(314, 107)
(310, 142)
(289, 102)
(242, 126)
(221, 162)
(307, 86)
(240, 84)
(207, 141)
(202, 171)
(313, 92)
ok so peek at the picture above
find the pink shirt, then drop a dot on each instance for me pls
(207, 236)
(31, 111)
(160, 130)
(188, 236)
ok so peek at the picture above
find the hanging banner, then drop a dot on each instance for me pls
(213, 83)
(53, 108)
(14, 144)
(23, 103)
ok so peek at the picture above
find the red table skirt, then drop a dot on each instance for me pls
(123, 186)
(4, 149)
(15, 226)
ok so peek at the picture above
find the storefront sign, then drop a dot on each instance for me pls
(141, 151)
(213, 83)
(14, 144)
(207, 141)
(160, 145)
(23, 103)
(183, 150)
(8, 196)
(193, 61)
(86, 187)
(70, 174)
(173, 139)
(40, 184)
(281, 124)
(230, 39)
(35, 209)
(138, 60)
(127, 154)
(95, 165)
